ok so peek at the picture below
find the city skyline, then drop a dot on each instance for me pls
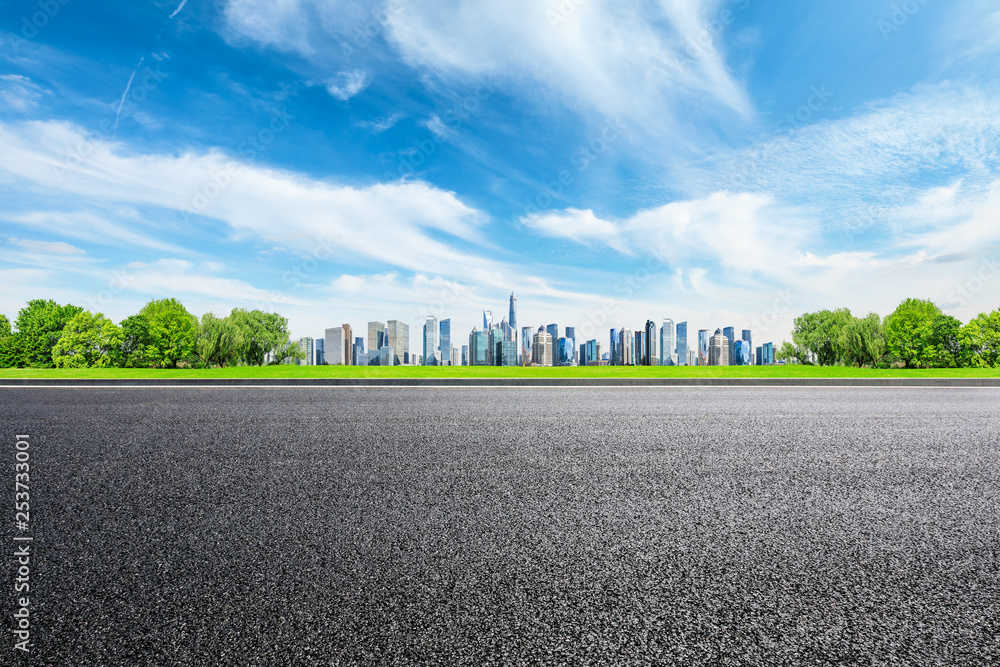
(698, 154)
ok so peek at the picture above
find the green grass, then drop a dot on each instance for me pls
(286, 372)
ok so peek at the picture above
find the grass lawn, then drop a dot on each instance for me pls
(285, 372)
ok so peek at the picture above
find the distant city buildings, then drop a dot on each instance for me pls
(506, 344)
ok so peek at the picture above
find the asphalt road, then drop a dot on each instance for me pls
(751, 526)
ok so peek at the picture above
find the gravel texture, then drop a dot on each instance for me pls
(724, 526)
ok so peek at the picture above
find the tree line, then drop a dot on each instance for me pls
(161, 335)
(915, 335)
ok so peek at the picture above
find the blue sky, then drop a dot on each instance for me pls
(722, 162)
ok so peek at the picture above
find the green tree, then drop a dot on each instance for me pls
(264, 337)
(172, 332)
(134, 351)
(980, 340)
(910, 334)
(9, 344)
(4, 326)
(790, 354)
(946, 338)
(39, 327)
(87, 341)
(817, 334)
(862, 341)
(219, 340)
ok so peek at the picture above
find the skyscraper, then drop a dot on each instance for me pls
(320, 355)
(746, 336)
(626, 346)
(376, 335)
(718, 349)
(358, 352)
(478, 347)
(430, 341)
(682, 344)
(339, 346)
(613, 356)
(306, 346)
(465, 355)
(445, 344)
(512, 317)
(553, 330)
(651, 355)
(730, 334)
(667, 343)
(703, 336)
(526, 345)
(397, 336)
(541, 348)
(571, 334)
(487, 319)
(640, 347)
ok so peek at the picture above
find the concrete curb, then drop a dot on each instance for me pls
(511, 382)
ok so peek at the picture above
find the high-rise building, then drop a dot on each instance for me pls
(718, 349)
(526, 333)
(613, 357)
(651, 351)
(566, 352)
(376, 335)
(478, 348)
(465, 355)
(385, 355)
(307, 347)
(667, 343)
(339, 346)
(541, 348)
(626, 347)
(759, 356)
(571, 334)
(730, 334)
(768, 353)
(495, 338)
(744, 353)
(487, 319)
(692, 359)
(512, 317)
(506, 353)
(553, 330)
(703, 336)
(430, 341)
(683, 358)
(445, 344)
(320, 356)
(397, 336)
(747, 337)
(358, 351)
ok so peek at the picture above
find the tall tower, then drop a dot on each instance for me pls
(430, 341)
(682, 344)
(487, 319)
(667, 343)
(512, 316)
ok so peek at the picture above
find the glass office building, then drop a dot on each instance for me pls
(445, 344)
(430, 341)
(730, 334)
(667, 343)
(703, 343)
(682, 343)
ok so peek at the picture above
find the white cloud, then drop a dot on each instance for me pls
(346, 84)
(18, 93)
(379, 125)
(49, 247)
